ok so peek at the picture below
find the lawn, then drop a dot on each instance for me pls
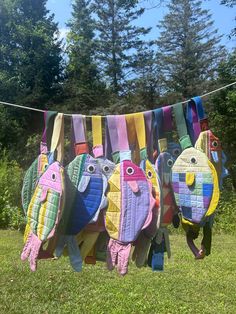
(185, 286)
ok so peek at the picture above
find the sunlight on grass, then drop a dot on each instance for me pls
(185, 286)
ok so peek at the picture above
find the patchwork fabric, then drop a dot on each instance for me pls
(44, 209)
(194, 185)
(31, 177)
(44, 212)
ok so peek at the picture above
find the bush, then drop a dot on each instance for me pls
(226, 213)
(11, 175)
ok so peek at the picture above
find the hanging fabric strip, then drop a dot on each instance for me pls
(79, 134)
(97, 136)
(125, 153)
(149, 134)
(141, 136)
(184, 138)
(201, 114)
(158, 123)
(113, 137)
(167, 122)
(49, 117)
(57, 143)
(193, 123)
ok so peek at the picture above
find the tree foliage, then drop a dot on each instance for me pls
(189, 50)
(83, 87)
(118, 39)
(223, 113)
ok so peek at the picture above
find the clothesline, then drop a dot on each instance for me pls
(89, 116)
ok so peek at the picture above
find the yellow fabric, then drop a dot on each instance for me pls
(132, 138)
(57, 143)
(27, 231)
(162, 143)
(216, 191)
(202, 143)
(156, 186)
(114, 204)
(140, 129)
(42, 216)
(86, 241)
(190, 178)
(97, 130)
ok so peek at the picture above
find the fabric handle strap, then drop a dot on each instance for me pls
(97, 136)
(49, 117)
(57, 143)
(167, 117)
(149, 136)
(185, 141)
(79, 127)
(158, 122)
(141, 134)
(79, 139)
(122, 133)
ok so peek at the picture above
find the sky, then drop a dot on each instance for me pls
(224, 17)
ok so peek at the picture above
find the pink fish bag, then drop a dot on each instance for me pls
(130, 202)
(44, 212)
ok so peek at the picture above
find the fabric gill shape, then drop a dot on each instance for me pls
(195, 185)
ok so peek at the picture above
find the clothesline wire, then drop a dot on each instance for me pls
(89, 116)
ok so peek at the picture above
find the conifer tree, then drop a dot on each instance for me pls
(189, 50)
(30, 53)
(83, 84)
(118, 38)
(30, 67)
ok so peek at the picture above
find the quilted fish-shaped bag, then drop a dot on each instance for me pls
(40, 163)
(44, 211)
(139, 127)
(195, 185)
(88, 237)
(86, 186)
(130, 202)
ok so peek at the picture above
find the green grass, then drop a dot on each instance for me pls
(185, 286)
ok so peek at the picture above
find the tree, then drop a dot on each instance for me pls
(118, 38)
(189, 50)
(83, 85)
(30, 67)
(223, 113)
(230, 3)
(147, 81)
(30, 53)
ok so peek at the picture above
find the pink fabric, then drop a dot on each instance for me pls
(31, 250)
(137, 174)
(52, 172)
(98, 151)
(151, 207)
(122, 133)
(118, 255)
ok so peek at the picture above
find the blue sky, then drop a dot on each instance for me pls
(223, 17)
